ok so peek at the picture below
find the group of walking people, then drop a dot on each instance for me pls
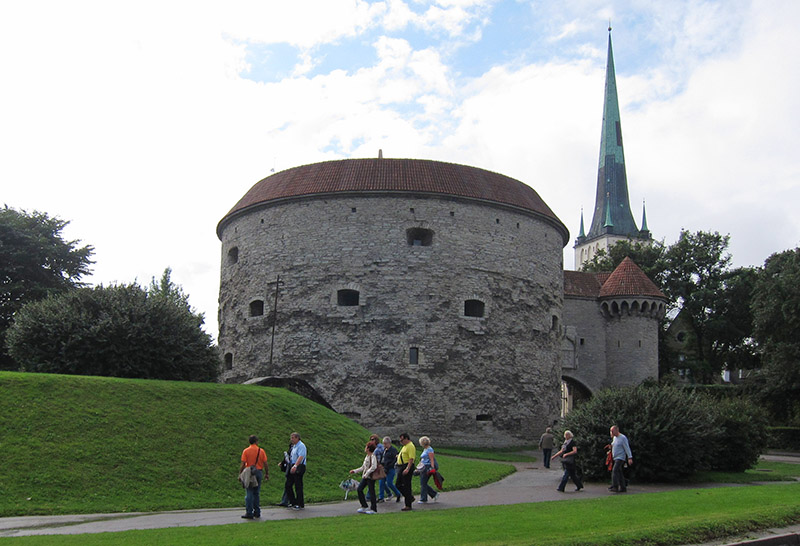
(619, 451)
(394, 471)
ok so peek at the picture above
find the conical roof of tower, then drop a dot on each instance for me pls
(612, 210)
(629, 280)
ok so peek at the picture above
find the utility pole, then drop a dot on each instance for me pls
(274, 319)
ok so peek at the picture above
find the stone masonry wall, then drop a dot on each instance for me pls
(590, 342)
(491, 380)
(631, 347)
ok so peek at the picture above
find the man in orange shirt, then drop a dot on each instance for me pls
(257, 457)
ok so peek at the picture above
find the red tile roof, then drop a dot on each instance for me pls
(580, 284)
(626, 280)
(396, 175)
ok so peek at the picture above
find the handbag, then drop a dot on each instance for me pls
(379, 473)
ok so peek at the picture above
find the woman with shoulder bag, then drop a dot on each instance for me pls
(367, 468)
(428, 462)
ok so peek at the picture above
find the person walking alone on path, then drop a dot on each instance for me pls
(546, 443)
(620, 451)
(367, 468)
(255, 458)
(567, 454)
(405, 469)
(294, 478)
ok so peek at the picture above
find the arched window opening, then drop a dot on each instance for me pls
(419, 237)
(474, 308)
(256, 308)
(347, 298)
(228, 361)
(233, 255)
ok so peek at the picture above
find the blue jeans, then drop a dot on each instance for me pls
(425, 489)
(387, 484)
(546, 457)
(570, 472)
(252, 497)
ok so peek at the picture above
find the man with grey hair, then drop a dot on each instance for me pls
(620, 451)
(294, 477)
(546, 443)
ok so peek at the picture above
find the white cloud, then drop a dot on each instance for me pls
(133, 122)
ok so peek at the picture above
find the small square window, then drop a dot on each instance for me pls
(474, 308)
(413, 355)
(347, 298)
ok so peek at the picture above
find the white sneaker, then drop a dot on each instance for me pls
(370, 512)
(436, 498)
(422, 502)
(361, 510)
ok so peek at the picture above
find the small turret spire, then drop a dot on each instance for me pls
(582, 232)
(644, 217)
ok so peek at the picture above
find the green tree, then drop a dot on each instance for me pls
(119, 331)
(648, 256)
(713, 300)
(776, 317)
(35, 262)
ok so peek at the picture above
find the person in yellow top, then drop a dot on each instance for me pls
(257, 457)
(405, 469)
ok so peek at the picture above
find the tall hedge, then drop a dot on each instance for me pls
(117, 331)
(673, 432)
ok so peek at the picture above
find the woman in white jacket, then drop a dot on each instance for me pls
(366, 469)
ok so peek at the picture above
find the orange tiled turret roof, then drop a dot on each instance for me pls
(626, 280)
(629, 280)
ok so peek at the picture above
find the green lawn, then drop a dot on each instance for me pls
(71, 444)
(503, 454)
(677, 517)
(765, 471)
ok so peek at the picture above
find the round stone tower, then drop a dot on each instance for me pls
(410, 295)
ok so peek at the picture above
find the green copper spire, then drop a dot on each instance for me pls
(644, 217)
(582, 233)
(612, 210)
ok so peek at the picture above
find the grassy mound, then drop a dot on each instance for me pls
(74, 444)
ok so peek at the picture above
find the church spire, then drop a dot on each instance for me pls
(612, 210)
(582, 232)
(644, 218)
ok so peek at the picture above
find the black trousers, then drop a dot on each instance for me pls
(367, 482)
(294, 486)
(404, 485)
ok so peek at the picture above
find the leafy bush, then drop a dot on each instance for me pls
(784, 438)
(742, 434)
(668, 429)
(673, 432)
(119, 331)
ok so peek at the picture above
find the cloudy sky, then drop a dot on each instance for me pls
(143, 123)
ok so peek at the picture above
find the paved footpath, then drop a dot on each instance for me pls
(530, 483)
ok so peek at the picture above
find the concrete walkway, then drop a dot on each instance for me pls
(530, 483)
